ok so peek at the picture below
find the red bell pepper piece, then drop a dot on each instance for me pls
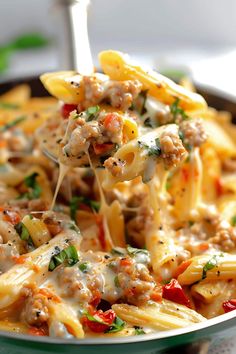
(229, 305)
(173, 291)
(67, 108)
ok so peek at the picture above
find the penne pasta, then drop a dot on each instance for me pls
(117, 205)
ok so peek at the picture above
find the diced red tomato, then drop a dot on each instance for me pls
(35, 331)
(101, 149)
(67, 108)
(106, 317)
(182, 267)
(229, 305)
(174, 292)
(11, 216)
(219, 187)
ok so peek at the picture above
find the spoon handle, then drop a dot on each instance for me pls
(74, 48)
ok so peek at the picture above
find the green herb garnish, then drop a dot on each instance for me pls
(69, 256)
(84, 267)
(153, 149)
(22, 231)
(31, 182)
(176, 110)
(24, 234)
(233, 220)
(143, 95)
(91, 113)
(212, 263)
(138, 330)
(134, 251)
(116, 326)
(23, 42)
(11, 124)
(77, 201)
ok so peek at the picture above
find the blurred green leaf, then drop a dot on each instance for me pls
(4, 59)
(29, 41)
(22, 42)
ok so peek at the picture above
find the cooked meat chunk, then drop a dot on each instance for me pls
(54, 225)
(35, 311)
(172, 149)
(134, 280)
(98, 135)
(225, 237)
(114, 166)
(193, 132)
(120, 94)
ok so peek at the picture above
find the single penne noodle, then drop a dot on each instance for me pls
(33, 266)
(66, 85)
(224, 269)
(155, 316)
(119, 67)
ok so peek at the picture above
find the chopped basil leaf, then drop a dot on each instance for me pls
(143, 95)
(138, 330)
(28, 41)
(212, 263)
(84, 267)
(69, 256)
(12, 124)
(233, 220)
(92, 318)
(75, 205)
(91, 113)
(116, 326)
(134, 251)
(7, 105)
(30, 182)
(22, 231)
(116, 281)
(176, 110)
(153, 149)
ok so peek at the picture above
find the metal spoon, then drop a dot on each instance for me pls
(74, 46)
